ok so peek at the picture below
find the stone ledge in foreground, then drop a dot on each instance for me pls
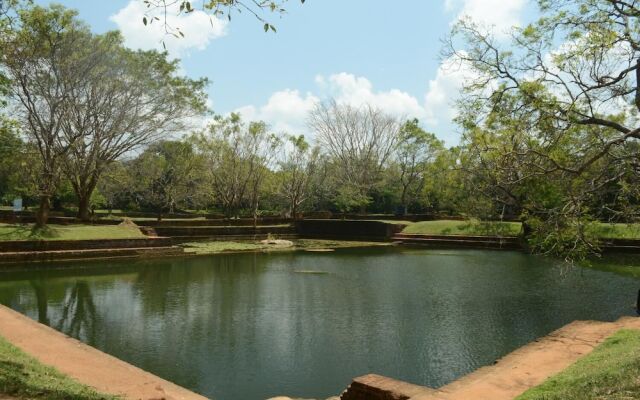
(86, 364)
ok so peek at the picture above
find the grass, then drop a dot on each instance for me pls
(23, 377)
(618, 231)
(472, 227)
(610, 372)
(479, 228)
(392, 221)
(216, 247)
(221, 247)
(68, 232)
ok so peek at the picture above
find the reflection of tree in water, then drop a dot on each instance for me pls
(78, 312)
(42, 302)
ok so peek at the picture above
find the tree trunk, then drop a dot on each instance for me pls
(83, 208)
(83, 192)
(43, 212)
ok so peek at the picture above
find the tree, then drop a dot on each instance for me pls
(11, 148)
(165, 176)
(128, 99)
(557, 107)
(216, 8)
(360, 141)
(296, 172)
(116, 185)
(417, 148)
(45, 59)
(237, 157)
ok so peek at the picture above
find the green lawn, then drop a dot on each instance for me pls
(618, 231)
(473, 228)
(68, 232)
(24, 377)
(610, 372)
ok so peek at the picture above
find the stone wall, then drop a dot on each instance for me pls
(347, 229)
(376, 387)
(63, 245)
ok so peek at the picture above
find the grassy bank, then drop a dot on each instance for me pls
(216, 247)
(618, 231)
(68, 232)
(23, 377)
(480, 228)
(610, 372)
(472, 228)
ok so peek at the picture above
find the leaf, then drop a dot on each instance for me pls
(144, 20)
(266, 27)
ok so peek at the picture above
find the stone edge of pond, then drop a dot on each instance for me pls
(510, 376)
(85, 364)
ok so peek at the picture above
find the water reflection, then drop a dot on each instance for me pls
(247, 326)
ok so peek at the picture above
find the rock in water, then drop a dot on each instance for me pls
(277, 243)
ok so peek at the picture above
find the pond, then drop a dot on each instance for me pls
(252, 326)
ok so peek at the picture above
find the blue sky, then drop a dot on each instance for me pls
(357, 51)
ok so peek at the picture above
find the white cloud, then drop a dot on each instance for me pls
(354, 90)
(502, 15)
(444, 90)
(286, 111)
(198, 27)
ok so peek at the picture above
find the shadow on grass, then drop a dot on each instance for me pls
(27, 232)
(480, 228)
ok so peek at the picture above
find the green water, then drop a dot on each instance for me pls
(248, 326)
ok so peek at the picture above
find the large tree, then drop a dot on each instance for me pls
(555, 107)
(45, 56)
(360, 141)
(129, 99)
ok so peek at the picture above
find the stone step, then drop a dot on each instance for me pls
(88, 254)
(509, 376)
(513, 239)
(459, 243)
(377, 387)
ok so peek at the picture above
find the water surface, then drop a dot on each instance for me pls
(251, 326)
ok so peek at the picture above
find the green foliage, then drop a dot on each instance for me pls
(164, 176)
(550, 120)
(569, 238)
(348, 198)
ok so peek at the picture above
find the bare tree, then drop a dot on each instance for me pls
(360, 140)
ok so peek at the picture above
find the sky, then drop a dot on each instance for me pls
(357, 51)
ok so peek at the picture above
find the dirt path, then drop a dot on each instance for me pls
(532, 364)
(86, 364)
